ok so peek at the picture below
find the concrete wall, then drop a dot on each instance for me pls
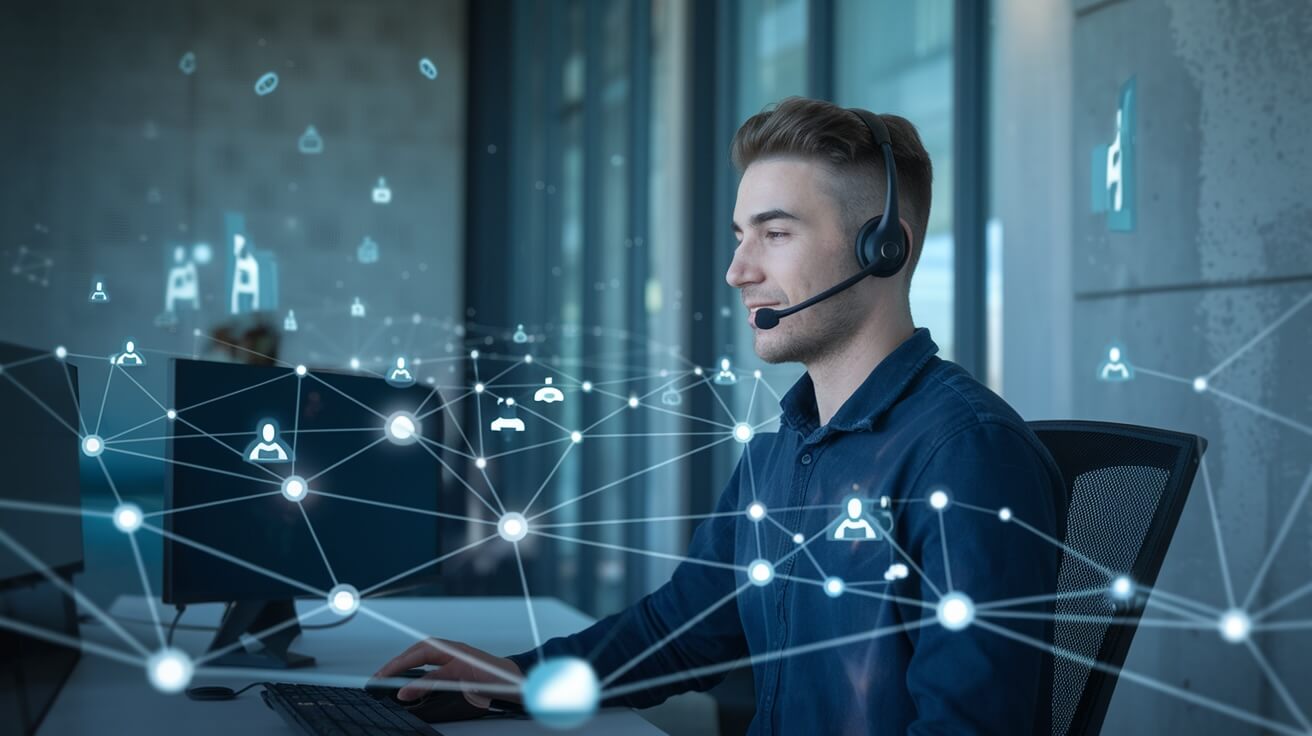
(1217, 257)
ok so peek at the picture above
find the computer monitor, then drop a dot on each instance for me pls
(39, 454)
(281, 484)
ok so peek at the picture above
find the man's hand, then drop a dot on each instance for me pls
(459, 663)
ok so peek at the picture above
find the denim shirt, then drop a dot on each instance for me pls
(874, 658)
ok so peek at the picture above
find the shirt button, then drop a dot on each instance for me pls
(806, 459)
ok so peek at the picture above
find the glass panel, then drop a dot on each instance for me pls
(908, 72)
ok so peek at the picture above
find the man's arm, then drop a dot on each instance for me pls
(976, 680)
(633, 639)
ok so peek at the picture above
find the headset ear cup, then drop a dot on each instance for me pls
(866, 248)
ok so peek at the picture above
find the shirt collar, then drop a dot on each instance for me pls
(872, 398)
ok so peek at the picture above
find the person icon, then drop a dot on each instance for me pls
(1114, 369)
(129, 357)
(182, 283)
(520, 336)
(400, 376)
(357, 308)
(99, 294)
(855, 526)
(726, 376)
(268, 447)
(245, 275)
(289, 322)
(548, 393)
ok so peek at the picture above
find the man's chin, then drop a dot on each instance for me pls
(772, 349)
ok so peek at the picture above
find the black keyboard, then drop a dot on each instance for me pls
(341, 711)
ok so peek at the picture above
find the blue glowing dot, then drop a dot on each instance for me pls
(266, 84)
(562, 693)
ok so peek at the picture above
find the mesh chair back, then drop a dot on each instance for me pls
(1126, 487)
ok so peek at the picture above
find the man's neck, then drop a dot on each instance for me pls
(839, 374)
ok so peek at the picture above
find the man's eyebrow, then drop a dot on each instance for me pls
(774, 214)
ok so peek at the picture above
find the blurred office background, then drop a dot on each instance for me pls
(565, 173)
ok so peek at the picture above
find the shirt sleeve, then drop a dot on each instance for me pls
(696, 603)
(978, 679)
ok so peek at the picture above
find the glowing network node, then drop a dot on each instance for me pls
(195, 332)
(1121, 588)
(756, 373)
(169, 670)
(1004, 513)
(834, 586)
(760, 572)
(528, 358)
(402, 428)
(697, 371)
(355, 364)
(294, 488)
(939, 500)
(798, 538)
(561, 693)
(512, 527)
(587, 386)
(171, 414)
(300, 370)
(61, 352)
(756, 511)
(473, 354)
(480, 462)
(1200, 384)
(742, 431)
(343, 599)
(1235, 626)
(479, 388)
(128, 517)
(955, 611)
(92, 445)
(633, 402)
(576, 436)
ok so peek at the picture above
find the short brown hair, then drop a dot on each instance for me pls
(816, 129)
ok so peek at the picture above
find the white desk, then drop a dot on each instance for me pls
(106, 696)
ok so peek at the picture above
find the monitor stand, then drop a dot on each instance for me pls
(254, 617)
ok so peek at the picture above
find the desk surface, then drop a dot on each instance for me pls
(106, 696)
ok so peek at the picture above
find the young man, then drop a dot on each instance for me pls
(874, 632)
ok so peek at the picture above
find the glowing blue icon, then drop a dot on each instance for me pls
(367, 251)
(181, 288)
(98, 293)
(1112, 172)
(129, 357)
(252, 273)
(266, 84)
(310, 142)
(357, 308)
(726, 376)
(562, 693)
(671, 397)
(187, 63)
(268, 447)
(400, 376)
(1115, 369)
(520, 335)
(548, 393)
(428, 68)
(382, 194)
(507, 419)
(856, 525)
(289, 323)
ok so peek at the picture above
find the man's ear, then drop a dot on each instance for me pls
(913, 248)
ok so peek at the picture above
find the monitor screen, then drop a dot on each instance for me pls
(39, 453)
(281, 485)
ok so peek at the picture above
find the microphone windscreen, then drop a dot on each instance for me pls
(766, 318)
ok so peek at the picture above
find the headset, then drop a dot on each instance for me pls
(881, 247)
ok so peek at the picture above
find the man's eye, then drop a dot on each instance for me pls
(775, 234)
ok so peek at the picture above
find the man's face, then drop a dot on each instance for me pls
(791, 246)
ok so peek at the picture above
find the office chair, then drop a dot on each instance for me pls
(1126, 487)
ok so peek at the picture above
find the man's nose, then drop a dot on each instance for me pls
(743, 269)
